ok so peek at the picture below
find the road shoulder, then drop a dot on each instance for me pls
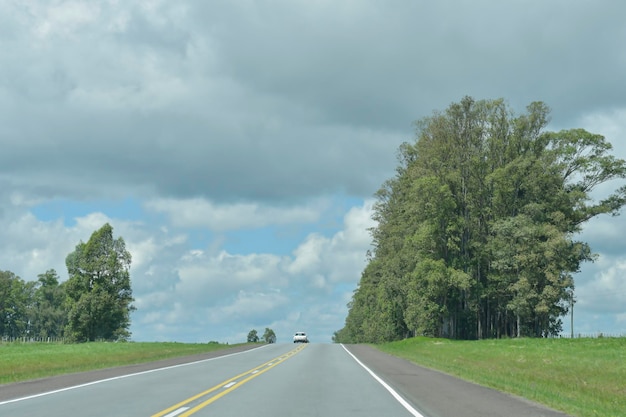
(43, 385)
(436, 394)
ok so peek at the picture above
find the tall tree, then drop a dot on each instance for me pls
(98, 290)
(49, 316)
(475, 234)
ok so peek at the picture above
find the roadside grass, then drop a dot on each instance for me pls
(581, 377)
(25, 361)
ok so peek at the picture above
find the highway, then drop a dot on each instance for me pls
(313, 379)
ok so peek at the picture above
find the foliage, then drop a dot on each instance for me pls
(253, 336)
(269, 336)
(15, 302)
(475, 234)
(99, 293)
(48, 317)
(95, 303)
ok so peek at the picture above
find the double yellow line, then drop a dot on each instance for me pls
(181, 409)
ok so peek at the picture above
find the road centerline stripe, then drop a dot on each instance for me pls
(226, 386)
(177, 412)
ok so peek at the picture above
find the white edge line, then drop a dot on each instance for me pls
(122, 377)
(397, 396)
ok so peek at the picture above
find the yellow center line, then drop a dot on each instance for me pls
(234, 383)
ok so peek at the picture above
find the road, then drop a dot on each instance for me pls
(313, 379)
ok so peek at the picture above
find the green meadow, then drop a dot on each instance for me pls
(24, 361)
(581, 377)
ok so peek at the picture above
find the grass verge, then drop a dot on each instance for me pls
(581, 377)
(25, 361)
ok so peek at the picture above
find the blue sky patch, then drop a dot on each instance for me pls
(68, 210)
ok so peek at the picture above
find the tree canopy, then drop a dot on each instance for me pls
(476, 234)
(269, 336)
(253, 336)
(48, 316)
(99, 293)
(15, 301)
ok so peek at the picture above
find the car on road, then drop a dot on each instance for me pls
(300, 337)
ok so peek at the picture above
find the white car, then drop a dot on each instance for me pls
(300, 337)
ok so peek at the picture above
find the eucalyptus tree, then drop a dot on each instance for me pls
(476, 234)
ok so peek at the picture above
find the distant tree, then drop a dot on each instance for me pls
(253, 336)
(48, 315)
(99, 293)
(269, 336)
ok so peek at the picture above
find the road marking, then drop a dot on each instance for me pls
(14, 400)
(395, 395)
(226, 386)
(177, 412)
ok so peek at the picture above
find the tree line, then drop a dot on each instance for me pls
(93, 304)
(476, 233)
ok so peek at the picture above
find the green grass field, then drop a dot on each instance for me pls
(24, 361)
(581, 377)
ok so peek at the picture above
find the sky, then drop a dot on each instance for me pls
(236, 146)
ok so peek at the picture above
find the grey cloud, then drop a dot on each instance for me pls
(406, 59)
(276, 103)
(279, 101)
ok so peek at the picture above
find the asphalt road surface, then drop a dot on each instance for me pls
(272, 380)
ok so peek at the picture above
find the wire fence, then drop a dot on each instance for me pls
(9, 339)
(598, 335)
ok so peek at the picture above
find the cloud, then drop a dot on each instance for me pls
(202, 213)
(267, 123)
(258, 308)
(31, 247)
(180, 290)
(605, 291)
(258, 289)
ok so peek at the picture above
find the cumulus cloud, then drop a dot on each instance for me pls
(223, 118)
(261, 288)
(605, 289)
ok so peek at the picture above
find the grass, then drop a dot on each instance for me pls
(581, 377)
(25, 361)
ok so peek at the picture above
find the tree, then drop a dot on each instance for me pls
(476, 232)
(99, 293)
(15, 303)
(269, 336)
(49, 316)
(253, 336)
